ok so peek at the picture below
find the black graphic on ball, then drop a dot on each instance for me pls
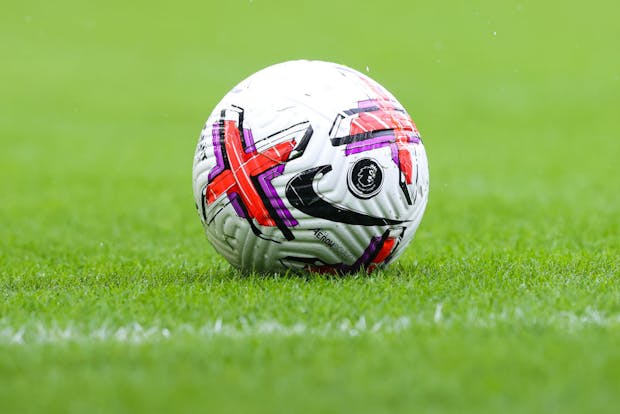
(365, 178)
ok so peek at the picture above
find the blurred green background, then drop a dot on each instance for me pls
(101, 105)
(97, 95)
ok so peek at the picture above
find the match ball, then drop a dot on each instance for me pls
(310, 166)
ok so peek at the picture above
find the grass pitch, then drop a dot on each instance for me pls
(112, 300)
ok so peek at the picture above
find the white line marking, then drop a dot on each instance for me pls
(438, 314)
(135, 333)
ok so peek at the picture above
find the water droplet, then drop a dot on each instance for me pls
(367, 69)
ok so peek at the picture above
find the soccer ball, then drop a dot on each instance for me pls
(310, 165)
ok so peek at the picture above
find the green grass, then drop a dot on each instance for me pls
(111, 299)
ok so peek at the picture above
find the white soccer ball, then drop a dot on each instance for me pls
(310, 165)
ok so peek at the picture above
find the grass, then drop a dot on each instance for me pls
(112, 300)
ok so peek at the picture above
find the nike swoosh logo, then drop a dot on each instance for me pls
(300, 193)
